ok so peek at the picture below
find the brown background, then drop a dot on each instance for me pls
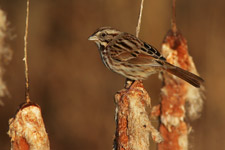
(74, 88)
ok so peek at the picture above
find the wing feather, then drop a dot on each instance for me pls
(128, 48)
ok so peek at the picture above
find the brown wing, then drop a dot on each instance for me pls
(128, 48)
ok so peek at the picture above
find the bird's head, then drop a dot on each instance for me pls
(102, 36)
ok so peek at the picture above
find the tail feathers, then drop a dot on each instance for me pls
(185, 75)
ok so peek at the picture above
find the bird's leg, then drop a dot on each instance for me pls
(130, 84)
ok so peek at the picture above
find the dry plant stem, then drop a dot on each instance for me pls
(174, 25)
(139, 19)
(132, 122)
(25, 56)
(173, 128)
(27, 129)
(175, 93)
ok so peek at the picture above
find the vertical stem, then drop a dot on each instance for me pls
(139, 19)
(174, 26)
(25, 56)
(175, 93)
(133, 126)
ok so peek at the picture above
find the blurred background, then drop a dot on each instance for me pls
(73, 87)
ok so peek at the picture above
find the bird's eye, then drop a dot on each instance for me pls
(103, 34)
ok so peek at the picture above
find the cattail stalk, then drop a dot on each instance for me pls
(176, 93)
(139, 19)
(133, 126)
(26, 128)
(27, 95)
(132, 120)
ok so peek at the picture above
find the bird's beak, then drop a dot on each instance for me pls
(93, 38)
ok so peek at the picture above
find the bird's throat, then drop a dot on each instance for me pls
(101, 47)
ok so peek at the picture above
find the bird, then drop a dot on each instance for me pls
(127, 55)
